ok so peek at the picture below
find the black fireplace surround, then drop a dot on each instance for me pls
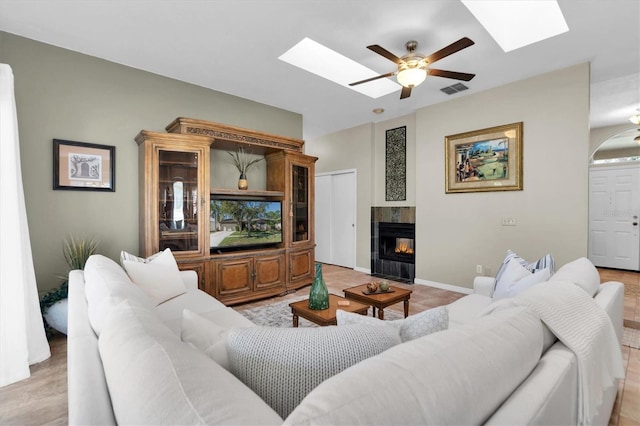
(396, 241)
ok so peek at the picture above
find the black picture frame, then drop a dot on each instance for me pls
(82, 166)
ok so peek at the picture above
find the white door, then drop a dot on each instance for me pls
(614, 217)
(343, 219)
(322, 218)
(335, 200)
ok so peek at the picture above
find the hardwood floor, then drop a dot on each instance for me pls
(42, 399)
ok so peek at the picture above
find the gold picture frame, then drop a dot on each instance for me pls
(484, 160)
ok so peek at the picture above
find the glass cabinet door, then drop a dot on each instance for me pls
(300, 203)
(178, 200)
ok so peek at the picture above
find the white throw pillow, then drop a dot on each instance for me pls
(582, 273)
(160, 278)
(124, 255)
(512, 273)
(510, 289)
(206, 336)
(544, 262)
(409, 328)
(529, 281)
(282, 365)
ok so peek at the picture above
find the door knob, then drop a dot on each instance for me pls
(635, 223)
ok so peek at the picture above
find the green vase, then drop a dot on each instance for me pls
(319, 295)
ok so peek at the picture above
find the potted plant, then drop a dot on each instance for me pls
(242, 161)
(53, 304)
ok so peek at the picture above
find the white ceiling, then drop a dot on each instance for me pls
(232, 46)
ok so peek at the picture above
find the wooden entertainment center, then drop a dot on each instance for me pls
(175, 193)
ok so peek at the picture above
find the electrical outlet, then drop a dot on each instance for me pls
(509, 221)
(478, 269)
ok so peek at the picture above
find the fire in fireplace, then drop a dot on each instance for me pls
(396, 241)
(404, 245)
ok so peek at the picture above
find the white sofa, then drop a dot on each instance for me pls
(498, 368)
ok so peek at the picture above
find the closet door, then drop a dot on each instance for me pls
(343, 215)
(335, 218)
(323, 218)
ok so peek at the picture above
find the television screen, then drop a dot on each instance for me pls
(237, 224)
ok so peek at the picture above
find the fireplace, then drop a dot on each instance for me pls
(393, 242)
(396, 241)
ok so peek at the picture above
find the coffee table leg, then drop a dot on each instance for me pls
(406, 308)
(374, 310)
(295, 320)
(380, 313)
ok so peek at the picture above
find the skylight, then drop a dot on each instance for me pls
(515, 24)
(315, 58)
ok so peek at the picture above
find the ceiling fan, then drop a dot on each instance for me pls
(413, 67)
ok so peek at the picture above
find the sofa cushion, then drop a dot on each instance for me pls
(582, 273)
(409, 328)
(282, 365)
(154, 378)
(159, 278)
(467, 308)
(106, 285)
(457, 377)
(205, 336)
(195, 300)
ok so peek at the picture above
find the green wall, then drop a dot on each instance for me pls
(62, 94)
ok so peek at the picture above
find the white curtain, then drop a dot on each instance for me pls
(22, 338)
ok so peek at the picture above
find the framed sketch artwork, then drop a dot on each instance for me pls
(83, 166)
(484, 160)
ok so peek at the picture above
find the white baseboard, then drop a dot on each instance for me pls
(442, 286)
(363, 270)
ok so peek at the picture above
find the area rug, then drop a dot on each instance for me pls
(278, 314)
(631, 338)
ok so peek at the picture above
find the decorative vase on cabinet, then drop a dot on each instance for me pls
(243, 183)
(319, 294)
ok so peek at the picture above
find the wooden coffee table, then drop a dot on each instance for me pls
(379, 300)
(327, 316)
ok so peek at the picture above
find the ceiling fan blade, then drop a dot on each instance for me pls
(454, 47)
(406, 92)
(384, 52)
(389, 74)
(450, 74)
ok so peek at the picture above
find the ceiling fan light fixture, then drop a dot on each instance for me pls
(635, 119)
(412, 74)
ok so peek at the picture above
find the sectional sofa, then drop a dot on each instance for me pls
(497, 363)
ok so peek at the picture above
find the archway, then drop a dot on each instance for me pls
(614, 202)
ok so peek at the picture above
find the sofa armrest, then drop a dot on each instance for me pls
(87, 391)
(610, 297)
(190, 279)
(484, 286)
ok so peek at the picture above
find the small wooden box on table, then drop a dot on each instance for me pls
(324, 317)
(379, 300)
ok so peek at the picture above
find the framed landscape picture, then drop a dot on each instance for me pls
(484, 160)
(83, 166)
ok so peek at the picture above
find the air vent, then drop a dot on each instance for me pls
(455, 88)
